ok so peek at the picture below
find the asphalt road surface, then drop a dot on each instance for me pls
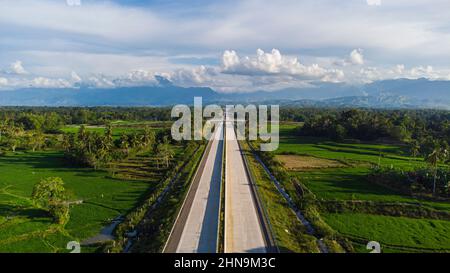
(243, 230)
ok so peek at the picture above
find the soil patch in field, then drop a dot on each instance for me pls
(300, 162)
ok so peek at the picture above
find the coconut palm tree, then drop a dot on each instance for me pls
(135, 140)
(149, 137)
(108, 138)
(67, 142)
(414, 148)
(124, 144)
(433, 160)
(37, 140)
(13, 135)
(3, 127)
(165, 153)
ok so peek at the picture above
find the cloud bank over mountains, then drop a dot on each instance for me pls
(234, 73)
(107, 44)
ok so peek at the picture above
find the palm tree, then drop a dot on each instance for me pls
(67, 142)
(433, 160)
(124, 144)
(82, 133)
(105, 144)
(165, 153)
(109, 135)
(170, 154)
(135, 140)
(3, 127)
(37, 140)
(101, 148)
(14, 135)
(149, 137)
(414, 148)
(13, 143)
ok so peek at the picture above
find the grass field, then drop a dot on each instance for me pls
(349, 182)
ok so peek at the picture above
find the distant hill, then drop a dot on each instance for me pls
(357, 101)
(421, 92)
(318, 91)
(401, 93)
(126, 96)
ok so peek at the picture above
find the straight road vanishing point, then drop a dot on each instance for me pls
(197, 225)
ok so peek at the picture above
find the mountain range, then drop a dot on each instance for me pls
(398, 93)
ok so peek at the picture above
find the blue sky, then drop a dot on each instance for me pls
(227, 45)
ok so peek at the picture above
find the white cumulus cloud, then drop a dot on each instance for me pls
(137, 77)
(3, 81)
(201, 75)
(75, 77)
(100, 81)
(17, 68)
(423, 71)
(270, 63)
(356, 57)
(399, 69)
(43, 82)
(370, 74)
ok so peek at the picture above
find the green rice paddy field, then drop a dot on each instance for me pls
(349, 183)
(24, 228)
(395, 234)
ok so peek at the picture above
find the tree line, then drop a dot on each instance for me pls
(93, 149)
(53, 117)
(426, 132)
